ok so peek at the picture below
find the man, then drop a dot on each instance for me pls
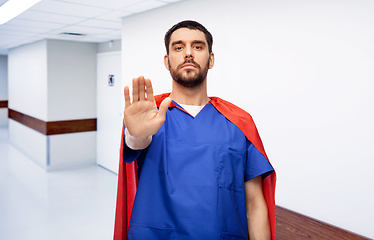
(201, 168)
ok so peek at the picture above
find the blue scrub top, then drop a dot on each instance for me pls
(191, 179)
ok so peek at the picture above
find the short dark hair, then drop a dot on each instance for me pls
(192, 25)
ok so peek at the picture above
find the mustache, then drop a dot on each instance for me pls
(189, 61)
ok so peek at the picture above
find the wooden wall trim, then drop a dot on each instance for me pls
(71, 126)
(3, 104)
(54, 127)
(31, 122)
(292, 225)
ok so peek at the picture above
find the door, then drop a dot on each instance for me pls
(110, 104)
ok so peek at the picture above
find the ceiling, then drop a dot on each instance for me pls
(97, 21)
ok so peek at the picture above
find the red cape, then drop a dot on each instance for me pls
(128, 172)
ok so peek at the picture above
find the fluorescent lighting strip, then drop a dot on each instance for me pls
(13, 8)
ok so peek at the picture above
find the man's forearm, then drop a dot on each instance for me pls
(258, 222)
(257, 210)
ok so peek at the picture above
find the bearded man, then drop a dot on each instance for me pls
(196, 163)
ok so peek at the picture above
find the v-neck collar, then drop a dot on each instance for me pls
(175, 104)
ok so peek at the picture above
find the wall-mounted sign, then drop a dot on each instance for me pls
(110, 80)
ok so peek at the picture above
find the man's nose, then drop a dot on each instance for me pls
(188, 53)
(187, 56)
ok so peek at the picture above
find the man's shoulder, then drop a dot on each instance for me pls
(241, 119)
(228, 108)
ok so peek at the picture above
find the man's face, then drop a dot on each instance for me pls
(189, 59)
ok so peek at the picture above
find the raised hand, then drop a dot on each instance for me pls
(142, 118)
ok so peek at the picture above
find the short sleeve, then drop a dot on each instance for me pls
(129, 155)
(256, 164)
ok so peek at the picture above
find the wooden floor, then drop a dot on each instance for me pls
(294, 226)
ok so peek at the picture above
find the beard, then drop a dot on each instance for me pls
(189, 78)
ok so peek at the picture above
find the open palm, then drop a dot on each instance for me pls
(142, 118)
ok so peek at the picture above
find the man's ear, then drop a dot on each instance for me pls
(166, 61)
(211, 60)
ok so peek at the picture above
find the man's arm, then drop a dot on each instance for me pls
(257, 211)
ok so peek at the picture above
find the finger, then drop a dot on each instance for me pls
(127, 96)
(148, 85)
(164, 107)
(135, 90)
(141, 88)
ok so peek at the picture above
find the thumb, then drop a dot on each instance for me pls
(164, 106)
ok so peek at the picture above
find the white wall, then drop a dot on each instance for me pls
(110, 46)
(71, 70)
(71, 150)
(303, 69)
(71, 80)
(3, 89)
(27, 79)
(31, 143)
(54, 80)
(3, 117)
(3, 78)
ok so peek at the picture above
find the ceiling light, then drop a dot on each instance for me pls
(13, 8)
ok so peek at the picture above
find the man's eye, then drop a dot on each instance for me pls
(178, 48)
(198, 47)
